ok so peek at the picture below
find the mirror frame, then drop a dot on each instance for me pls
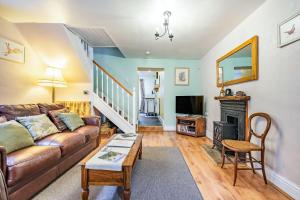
(254, 51)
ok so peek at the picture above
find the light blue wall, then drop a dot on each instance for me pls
(125, 70)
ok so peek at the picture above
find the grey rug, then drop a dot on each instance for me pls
(149, 121)
(161, 175)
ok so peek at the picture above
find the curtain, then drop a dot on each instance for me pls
(142, 84)
(82, 108)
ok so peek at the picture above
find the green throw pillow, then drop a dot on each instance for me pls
(39, 126)
(72, 120)
(14, 136)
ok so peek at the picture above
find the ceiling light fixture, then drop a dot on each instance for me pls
(167, 15)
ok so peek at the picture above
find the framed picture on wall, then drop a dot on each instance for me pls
(11, 51)
(289, 30)
(182, 76)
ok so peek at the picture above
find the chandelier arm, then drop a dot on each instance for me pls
(166, 27)
(164, 33)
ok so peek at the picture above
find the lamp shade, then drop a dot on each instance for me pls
(53, 78)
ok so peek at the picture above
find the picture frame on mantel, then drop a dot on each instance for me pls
(12, 51)
(182, 76)
(289, 30)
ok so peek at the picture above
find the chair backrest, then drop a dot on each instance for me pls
(265, 132)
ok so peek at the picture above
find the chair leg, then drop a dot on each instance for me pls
(235, 167)
(223, 156)
(250, 157)
(263, 166)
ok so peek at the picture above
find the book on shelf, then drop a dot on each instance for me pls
(187, 129)
(112, 156)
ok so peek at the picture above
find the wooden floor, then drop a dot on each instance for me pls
(213, 182)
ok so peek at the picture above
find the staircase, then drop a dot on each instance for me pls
(114, 100)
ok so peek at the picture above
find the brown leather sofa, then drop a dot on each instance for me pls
(29, 170)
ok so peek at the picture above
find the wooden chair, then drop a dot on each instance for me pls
(238, 146)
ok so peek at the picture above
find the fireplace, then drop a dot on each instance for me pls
(233, 120)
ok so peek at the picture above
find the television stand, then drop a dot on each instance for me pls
(192, 125)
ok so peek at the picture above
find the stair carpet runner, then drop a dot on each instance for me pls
(111, 156)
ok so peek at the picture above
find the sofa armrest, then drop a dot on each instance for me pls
(92, 120)
(3, 160)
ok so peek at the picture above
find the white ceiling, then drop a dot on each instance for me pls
(197, 24)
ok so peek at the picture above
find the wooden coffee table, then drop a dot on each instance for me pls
(111, 178)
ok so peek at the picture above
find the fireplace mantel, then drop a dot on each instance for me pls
(233, 98)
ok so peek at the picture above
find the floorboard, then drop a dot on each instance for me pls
(214, 182)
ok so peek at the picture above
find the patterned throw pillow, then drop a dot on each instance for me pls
(72, 120)
(2, 119)
(53, 114)
(39, 126)
(14, 136)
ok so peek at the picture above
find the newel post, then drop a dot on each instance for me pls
(134, 109)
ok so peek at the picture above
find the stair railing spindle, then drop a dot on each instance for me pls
(97, 83)
(118, 98)
(123, 103)
(134, 109)
(112, 93)
(127, 107)
(107, 95)
(102, 94)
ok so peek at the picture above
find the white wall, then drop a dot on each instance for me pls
(18, 82)
(275, 92)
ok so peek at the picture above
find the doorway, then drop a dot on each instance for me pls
(151, 97)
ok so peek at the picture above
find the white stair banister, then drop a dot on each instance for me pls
(117, 110)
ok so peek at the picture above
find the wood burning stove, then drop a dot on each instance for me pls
(232, 124)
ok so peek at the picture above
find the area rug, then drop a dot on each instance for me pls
(162, 174)
(149, 121)
(214, 154)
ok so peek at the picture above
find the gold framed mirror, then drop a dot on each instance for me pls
(239, 65)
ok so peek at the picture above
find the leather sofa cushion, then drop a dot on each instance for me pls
(53, 114)
(45, 108)
(90, 132)
(13, 111)
(27, 162)
(67, 141)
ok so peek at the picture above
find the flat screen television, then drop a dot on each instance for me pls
(192, 105)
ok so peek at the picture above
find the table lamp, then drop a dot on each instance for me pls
(52, 78)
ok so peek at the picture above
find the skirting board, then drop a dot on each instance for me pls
(169, 128)
(282, 183)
